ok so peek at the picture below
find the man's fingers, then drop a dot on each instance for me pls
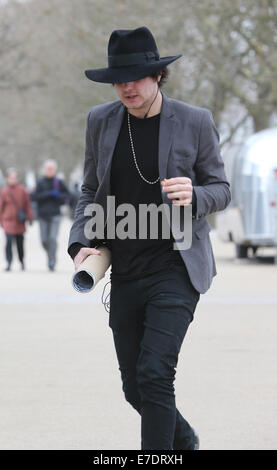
(177, 187)
(95, 251)
(176, 180)
(83, 254)
(180, 195)
(89, 251)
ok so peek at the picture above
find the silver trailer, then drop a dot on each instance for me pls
(251, 218)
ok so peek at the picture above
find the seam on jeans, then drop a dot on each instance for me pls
(162, 358)
(186, 307)
(167, 333)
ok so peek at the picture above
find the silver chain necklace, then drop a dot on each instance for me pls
(134, 155)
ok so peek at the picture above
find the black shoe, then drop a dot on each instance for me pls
(22, 266)
(191, 443)
(196, 441)
(8, 268)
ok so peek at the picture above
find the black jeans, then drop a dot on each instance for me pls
(19, 243)
(149, 318)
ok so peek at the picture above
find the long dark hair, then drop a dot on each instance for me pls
(164, 72)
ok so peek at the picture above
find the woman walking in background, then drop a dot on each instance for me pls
(15, 209)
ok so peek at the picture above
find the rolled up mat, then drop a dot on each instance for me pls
(91, 270)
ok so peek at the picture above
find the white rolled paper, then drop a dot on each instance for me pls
(92, 270)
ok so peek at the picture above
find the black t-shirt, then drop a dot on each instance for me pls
(133, 258)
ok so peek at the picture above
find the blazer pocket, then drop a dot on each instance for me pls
(203, 231)
(180, 157)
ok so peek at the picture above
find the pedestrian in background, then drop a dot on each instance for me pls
(15, 209)
(50, 194)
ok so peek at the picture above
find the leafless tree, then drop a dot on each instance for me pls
(229, 65)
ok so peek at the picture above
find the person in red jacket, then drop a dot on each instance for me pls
(14, 199)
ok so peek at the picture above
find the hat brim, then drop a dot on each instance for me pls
(128, 73)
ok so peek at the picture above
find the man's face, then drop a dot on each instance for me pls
(137, 94)
(49, 170)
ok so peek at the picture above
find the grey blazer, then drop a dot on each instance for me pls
(188, 146)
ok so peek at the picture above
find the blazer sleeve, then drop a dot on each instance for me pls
(212, 190)
(88, 191)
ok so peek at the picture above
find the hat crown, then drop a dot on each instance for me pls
(130, 41)
(132, 55)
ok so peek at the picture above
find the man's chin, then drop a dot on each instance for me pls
(132, 104)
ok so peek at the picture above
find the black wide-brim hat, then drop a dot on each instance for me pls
(132, 54)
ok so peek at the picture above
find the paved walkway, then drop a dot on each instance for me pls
(60, 384)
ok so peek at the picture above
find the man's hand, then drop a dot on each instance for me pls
(179, 187)
(83, 254)
(54, 193)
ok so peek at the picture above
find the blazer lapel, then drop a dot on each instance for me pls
(166, 136)
(112, 131)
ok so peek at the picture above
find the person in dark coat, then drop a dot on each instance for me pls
(13, 198)
(50, 194)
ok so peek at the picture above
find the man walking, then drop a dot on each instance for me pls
(15, 210)
(50, 194)
(132, 146)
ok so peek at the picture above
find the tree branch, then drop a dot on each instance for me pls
(233, 130)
